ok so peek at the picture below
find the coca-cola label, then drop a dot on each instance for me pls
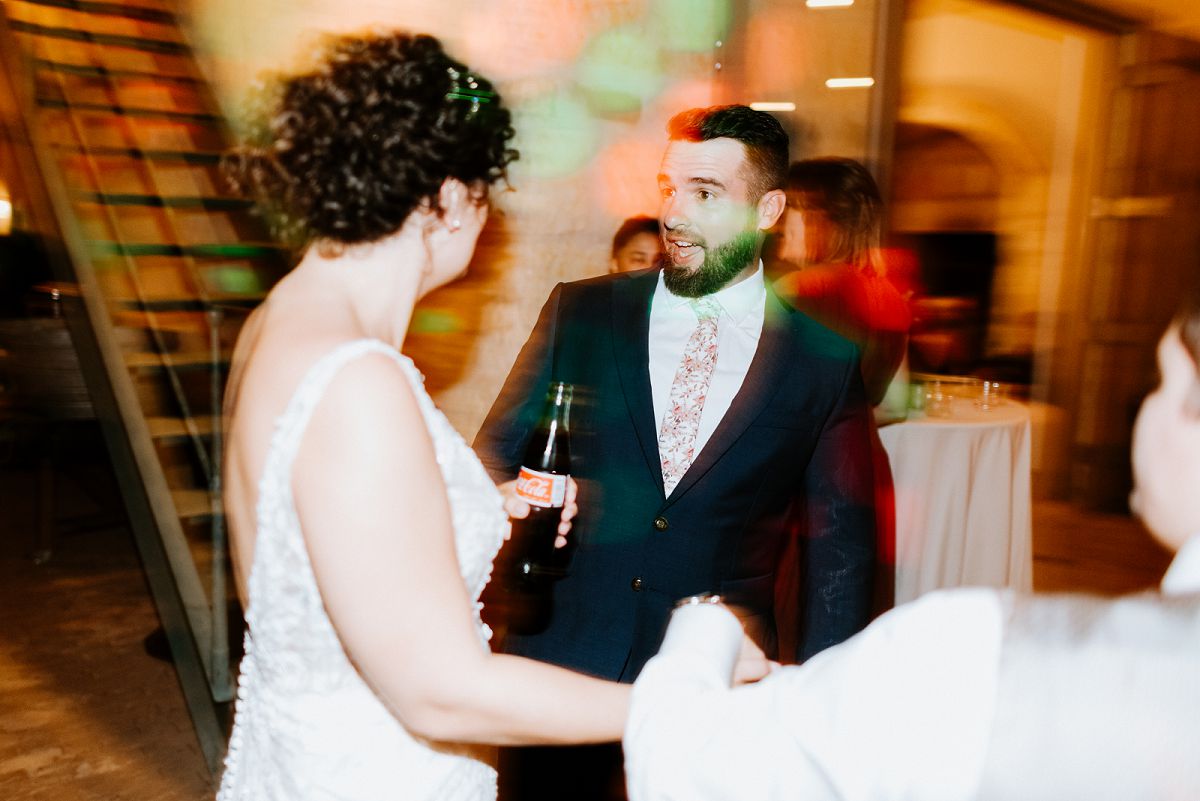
(542, 489)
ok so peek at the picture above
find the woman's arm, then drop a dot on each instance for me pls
(377, 524)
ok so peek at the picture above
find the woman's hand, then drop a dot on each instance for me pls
(518, 508)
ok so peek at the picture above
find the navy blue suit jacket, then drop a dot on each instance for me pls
(791, 458)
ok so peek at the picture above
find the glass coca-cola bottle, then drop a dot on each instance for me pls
(542, 482)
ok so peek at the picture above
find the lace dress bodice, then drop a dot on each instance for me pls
(307, 725)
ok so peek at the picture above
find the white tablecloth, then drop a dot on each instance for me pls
(963, 513)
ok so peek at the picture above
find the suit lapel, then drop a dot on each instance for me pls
(763, 379)
(631, 331)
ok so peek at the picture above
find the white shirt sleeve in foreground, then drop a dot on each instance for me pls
(901, 711)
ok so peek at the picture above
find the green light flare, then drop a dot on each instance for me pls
(556, 135)
(434, 321)
(234, 279)
(619, 70)
(692, 25)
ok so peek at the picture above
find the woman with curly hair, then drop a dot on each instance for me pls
(364, 528)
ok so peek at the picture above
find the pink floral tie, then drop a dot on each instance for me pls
(677, 437)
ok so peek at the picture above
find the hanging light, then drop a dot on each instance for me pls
(849, 83)
(5, 215)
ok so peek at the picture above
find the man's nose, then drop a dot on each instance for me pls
(671, 214)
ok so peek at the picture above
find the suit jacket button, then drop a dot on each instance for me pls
(636, 584)
(661, 524)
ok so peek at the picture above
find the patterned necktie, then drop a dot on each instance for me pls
(677, 436)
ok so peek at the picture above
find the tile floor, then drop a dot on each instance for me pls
(86, 715)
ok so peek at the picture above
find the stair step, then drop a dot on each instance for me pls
(183, 360)
(171, 201)
(241, 301)
(96, 71)
(190, 322)
(200, 118)
(175, 428)
(160, 46)
(195, 157)
(139, 13)
(192, 503)
(231, 250)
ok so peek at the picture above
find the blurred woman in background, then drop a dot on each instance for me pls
(831, 236)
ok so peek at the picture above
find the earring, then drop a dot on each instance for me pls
(455, 225)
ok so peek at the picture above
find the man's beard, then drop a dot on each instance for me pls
(720, 266)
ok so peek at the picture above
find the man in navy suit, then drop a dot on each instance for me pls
(702, 452)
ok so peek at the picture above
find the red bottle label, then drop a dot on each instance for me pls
(542, 489)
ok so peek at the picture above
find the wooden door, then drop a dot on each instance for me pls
(1143, 251)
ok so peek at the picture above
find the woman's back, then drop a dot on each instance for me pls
(308, 724)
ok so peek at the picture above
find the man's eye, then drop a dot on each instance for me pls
(704, 194)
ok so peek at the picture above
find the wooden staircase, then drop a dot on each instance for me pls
(126, 140)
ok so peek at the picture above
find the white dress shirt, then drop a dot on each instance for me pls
(903, 710)
(1183, 576)
(739, 326)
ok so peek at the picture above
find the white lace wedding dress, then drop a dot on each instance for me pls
(307, 726)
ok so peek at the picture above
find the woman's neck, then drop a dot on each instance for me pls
(376, 285)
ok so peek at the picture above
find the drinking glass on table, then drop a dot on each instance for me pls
(991, 395)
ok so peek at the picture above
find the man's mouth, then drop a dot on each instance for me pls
(683, 250)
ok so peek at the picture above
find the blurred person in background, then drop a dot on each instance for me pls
(714, 416)
(363, 526)
(963, 694)
(831, 236)
(636, 245)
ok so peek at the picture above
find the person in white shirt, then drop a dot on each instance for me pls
(963, 694)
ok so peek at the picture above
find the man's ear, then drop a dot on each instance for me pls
(770, 208)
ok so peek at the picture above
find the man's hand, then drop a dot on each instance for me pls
(752, 663)
(518, 508)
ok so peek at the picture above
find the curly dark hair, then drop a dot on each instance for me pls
(353, 147)
(761, 134)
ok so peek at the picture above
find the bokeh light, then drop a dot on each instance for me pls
(235, 279)
(691, 25)
(435, 321)
(556, 135)
(781, 57)
(625, 171)
(499, 41)
(619, 69)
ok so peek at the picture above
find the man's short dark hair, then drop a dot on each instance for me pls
(761, 134)
(631, 228)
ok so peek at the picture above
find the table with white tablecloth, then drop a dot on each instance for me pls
(963, 499)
